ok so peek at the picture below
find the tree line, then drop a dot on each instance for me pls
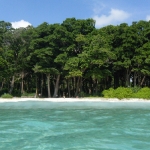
(73, 58)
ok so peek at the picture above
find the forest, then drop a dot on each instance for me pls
(73, 58)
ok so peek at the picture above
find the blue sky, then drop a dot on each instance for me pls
(34, 12)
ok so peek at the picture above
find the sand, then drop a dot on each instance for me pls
(2, 100)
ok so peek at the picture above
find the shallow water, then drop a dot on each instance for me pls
(64, 128)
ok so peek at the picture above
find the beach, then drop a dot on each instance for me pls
(2, 100)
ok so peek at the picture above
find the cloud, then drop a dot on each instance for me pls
(148, 18)
(115, 16)
(20, 23)
(98, 7)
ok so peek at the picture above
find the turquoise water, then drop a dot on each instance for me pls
(73, 128)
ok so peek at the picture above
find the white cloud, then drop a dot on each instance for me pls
(20, 23)
(98, 7)
(115, 16)
(148, 18)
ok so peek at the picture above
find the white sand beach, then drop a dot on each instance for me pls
(74, 100)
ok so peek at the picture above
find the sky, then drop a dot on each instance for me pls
(22, 13)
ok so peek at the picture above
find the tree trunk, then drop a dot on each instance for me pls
(74, 85)
(68, 85)
(96, 88)
(116, 80)
(90, 86)
(128, 72)
(42, 83)
(12, 84)
(81, 85)
(142, 81)
(22, 87)
(1, 86)
(48, 85)
(77, 87)
(56, 88)
(135, 78)
(36, 91)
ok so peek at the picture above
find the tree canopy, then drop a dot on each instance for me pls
(73, 58)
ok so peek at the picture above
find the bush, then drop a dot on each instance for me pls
(143, 93)
(120, 92)
(30, 95)
(108, 93)
(135, 89)
(4, 90)
(82, 94)
(6, 96)
(16, 93)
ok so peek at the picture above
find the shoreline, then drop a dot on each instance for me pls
(2, 100)
(73, 103)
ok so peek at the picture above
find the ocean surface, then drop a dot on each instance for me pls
(74, 126)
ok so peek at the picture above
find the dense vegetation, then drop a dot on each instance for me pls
(73, 58)
(122, 92)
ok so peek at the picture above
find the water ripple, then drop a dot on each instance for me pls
(70, 129)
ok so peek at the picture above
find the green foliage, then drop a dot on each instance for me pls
(6, 96)
(82, 94)
(108, 93)
(135, 89)
(4, 90)
(143, 93)
(16, 93)
(84, 58)
(120, 93)
(30, 95)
